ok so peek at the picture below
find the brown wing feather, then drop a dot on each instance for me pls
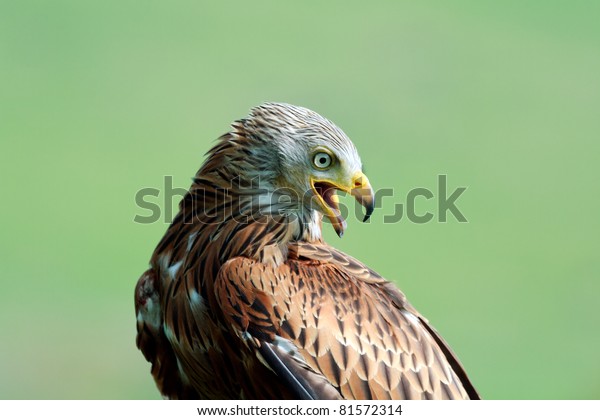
(367, 342)
(359, 270)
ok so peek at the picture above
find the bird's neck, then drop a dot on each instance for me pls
(237, 192)
(271, 207)
(242, 207)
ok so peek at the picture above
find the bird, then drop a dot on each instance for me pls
(244, 299)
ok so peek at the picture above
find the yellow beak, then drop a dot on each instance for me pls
(359, 187)
(363, 193)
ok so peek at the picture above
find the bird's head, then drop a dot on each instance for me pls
(311, 157)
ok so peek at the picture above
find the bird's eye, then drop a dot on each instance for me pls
(322, 160)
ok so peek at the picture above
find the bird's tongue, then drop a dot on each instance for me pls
(331, 199)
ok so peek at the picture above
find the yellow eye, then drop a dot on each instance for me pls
(322, 160)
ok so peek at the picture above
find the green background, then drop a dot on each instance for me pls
(101, 99)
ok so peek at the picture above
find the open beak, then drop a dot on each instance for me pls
(359, 187)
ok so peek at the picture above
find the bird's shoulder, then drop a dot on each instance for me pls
(310, 275)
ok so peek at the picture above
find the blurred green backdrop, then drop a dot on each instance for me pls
(101, 99)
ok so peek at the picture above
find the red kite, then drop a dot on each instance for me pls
(244, 299)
